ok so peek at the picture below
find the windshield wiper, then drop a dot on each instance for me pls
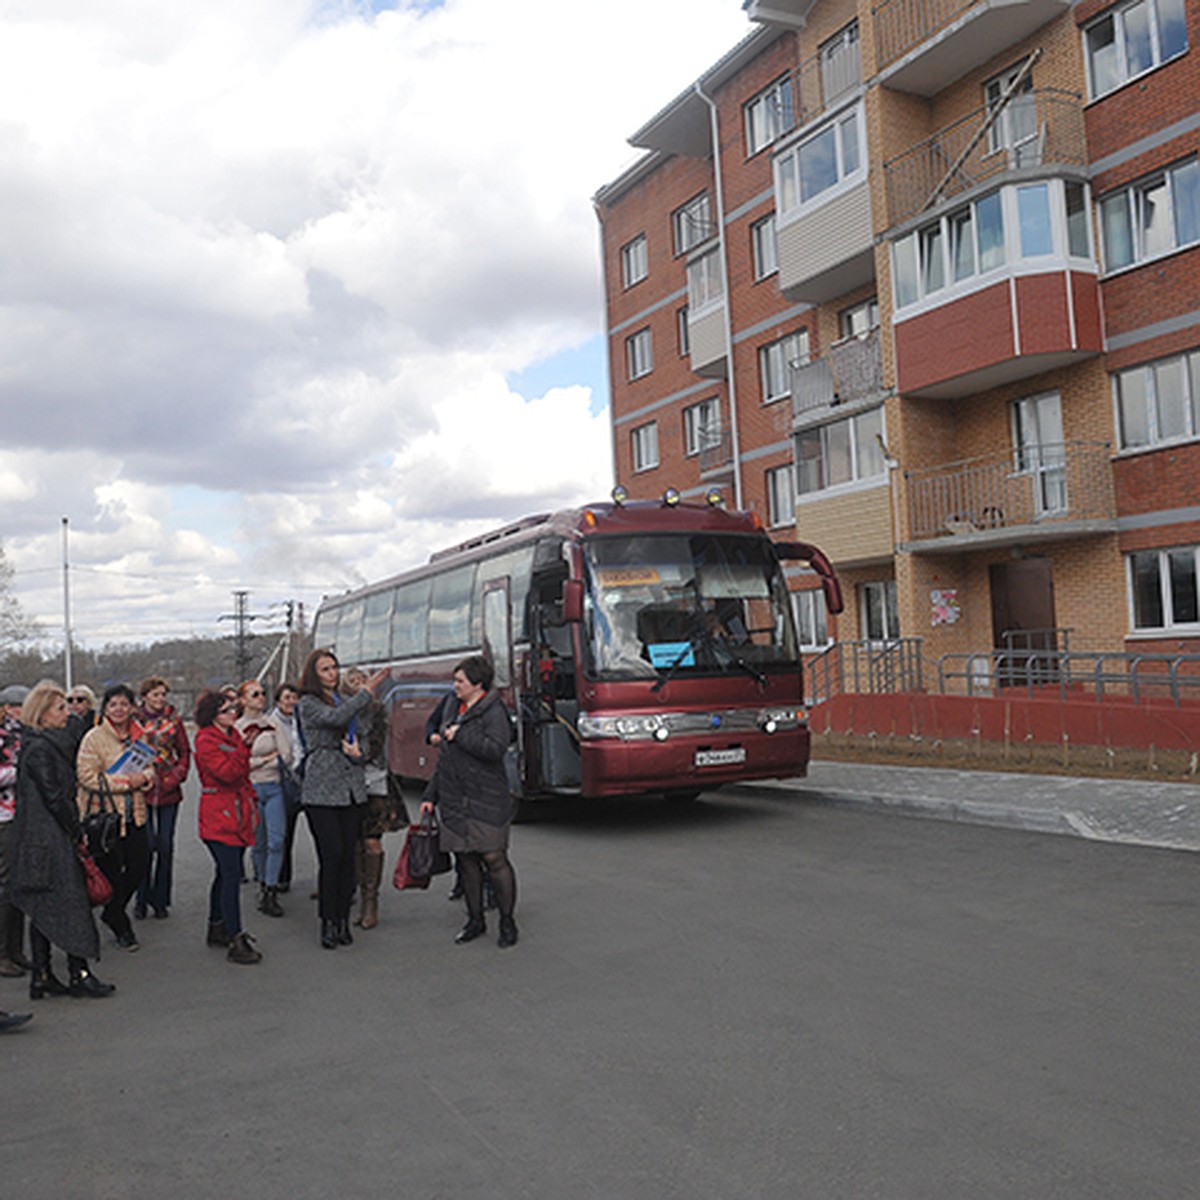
(705, 636)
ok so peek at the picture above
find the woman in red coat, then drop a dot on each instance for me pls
(228, 811)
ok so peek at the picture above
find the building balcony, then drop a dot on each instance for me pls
(922, 46)
(716, 452)
(853, 526)
(707, 343)
(1038, 132)
(829, 250)
(1046, 493)
(829, 75)
(849, 371)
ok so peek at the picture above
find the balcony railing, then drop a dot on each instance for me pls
(1039, 128)
(849, 370)
(1039, 486)
(818, 81)
(877, 667)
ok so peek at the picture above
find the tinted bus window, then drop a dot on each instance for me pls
(377, 626)
(325, 630)
(408, 619)
(349, 635)
(450, 609)
(517, 566)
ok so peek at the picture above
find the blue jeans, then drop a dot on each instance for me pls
(272, 827)
(225, 895)
(155, 888)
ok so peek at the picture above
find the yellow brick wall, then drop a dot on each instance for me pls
(854, 527)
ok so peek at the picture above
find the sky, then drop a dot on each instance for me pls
(295, 292)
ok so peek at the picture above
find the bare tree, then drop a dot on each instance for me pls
(15, 627)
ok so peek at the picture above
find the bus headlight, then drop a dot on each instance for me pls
(631, 728)
(772, 720)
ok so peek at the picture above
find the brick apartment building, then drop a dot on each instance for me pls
(920, 282)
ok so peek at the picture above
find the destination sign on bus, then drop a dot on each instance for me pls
(619, 577)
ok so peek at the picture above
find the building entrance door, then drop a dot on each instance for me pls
(1023, 626)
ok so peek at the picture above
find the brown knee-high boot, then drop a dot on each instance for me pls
(369, 881)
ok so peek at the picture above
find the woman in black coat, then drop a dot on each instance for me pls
(473, 799)
(47, 878)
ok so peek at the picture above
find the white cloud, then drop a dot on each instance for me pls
(267, 264)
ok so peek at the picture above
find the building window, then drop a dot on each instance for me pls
(1132, 39)
(812, 167)
(879, 612)
(811, 621)
(692, 223)
(684, 331)
(1039, 449)
(781, 496)
(842, 452)
(1163, 589)
(639, 354)
(775, 364)
(859, 318)
(644, 440)
(701, 425)
(769, 115)
(1016, 123)
(762, 242)
(1159, 401)
(634, 263)
(1152, 217)
(706, 281)
(840, 66)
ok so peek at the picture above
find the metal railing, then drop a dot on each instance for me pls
(716, 449)
(893, 665)
(851, 369)
(956, 158)
(1069, 481)
(902, 25)
(1101, 674)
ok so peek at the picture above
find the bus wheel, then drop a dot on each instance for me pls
(683, 795)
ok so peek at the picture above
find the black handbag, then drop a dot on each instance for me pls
(426, 858)
(102, 822)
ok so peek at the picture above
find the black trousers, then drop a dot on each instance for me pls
(336, 832)
(125, 867)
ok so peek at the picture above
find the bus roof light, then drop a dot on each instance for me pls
(671, 497)
(714, 498)
(619, 495)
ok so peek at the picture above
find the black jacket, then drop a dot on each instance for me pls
(470, 780)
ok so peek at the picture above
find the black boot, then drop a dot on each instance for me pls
(43, 982)
(242, 951)
(12, 1020)
(475, 927)
(344, 936)
(218, 935)
(84, 984)
(329, 937)
(508, 933)
(269, 902)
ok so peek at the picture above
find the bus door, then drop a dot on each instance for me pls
(552, 764)
(497, 645)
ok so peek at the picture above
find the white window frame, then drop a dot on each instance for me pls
(812, 619)
(849, 164)
(1164, 559)
(692, 223)
(764, 247)
(683, 329)
(643, 442)
(1039, 449)
(775, 361)
(841, 63)
(867, 463)
(1126, 210)
(706, 282)
(1017, 122)
(1119, 18)
(639, 354)
(769, 115)
(635, 261)
(857, 320)
(701, 424)
(879, 595)
(780, 483)
(1140, 401)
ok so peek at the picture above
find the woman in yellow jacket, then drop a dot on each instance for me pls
(129, 860)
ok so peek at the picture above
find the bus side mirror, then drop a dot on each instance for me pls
(572, 600)
(806, 552)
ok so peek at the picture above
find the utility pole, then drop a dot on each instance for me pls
(67, 646)
(242, 618)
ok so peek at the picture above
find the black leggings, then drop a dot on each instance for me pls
(503, 877)
(336, 833)
(125, 867)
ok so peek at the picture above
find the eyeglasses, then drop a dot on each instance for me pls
(256, 692)
(228, 708)
(77, 699)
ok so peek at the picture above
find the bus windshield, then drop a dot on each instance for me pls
(686, 604)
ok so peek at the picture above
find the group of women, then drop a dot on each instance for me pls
(243, 757)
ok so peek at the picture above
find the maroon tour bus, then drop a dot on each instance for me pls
(640, 646)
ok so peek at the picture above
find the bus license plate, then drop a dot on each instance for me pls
(720, 758)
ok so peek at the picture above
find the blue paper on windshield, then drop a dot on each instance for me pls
(670, 654)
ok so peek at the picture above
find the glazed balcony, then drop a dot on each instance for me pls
(1044, 493)
(923, 46)
(850, 370)
(716, 452)
(1040, 130)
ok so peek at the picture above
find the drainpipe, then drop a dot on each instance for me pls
(732, 380)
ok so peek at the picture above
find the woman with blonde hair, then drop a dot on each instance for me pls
(48, 880)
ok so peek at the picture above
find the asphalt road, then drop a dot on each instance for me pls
(751, 996)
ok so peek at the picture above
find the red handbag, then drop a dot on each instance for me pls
(99, 889)
(403, 878)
